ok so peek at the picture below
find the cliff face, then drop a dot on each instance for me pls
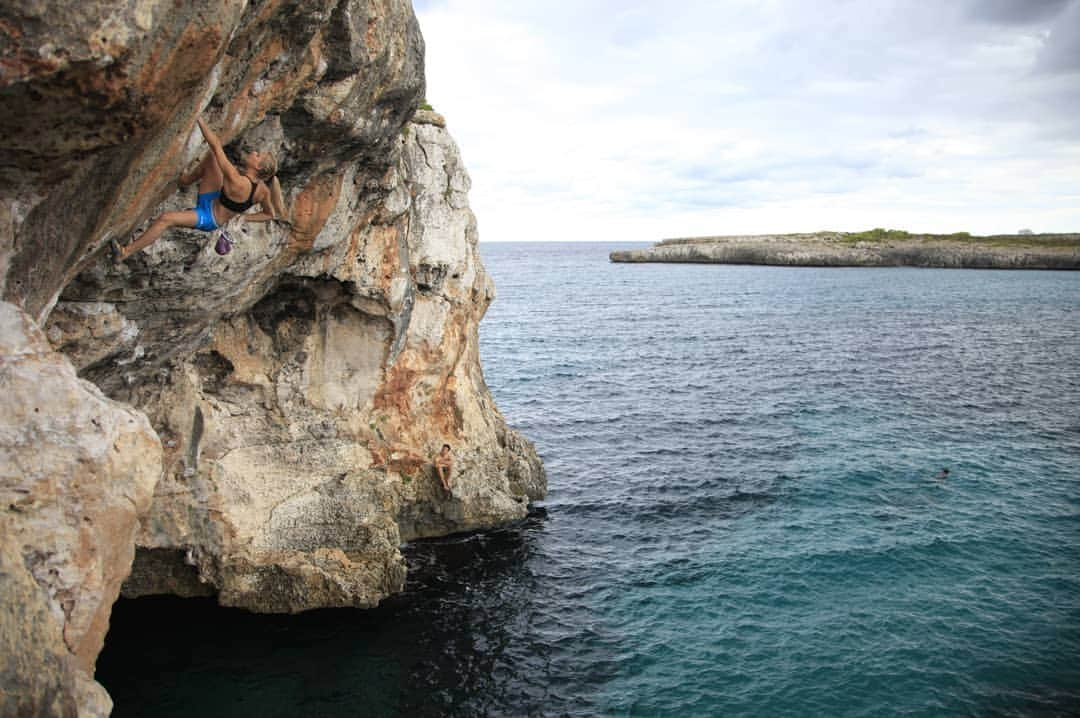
(76, 471)
(839, 249)
(298, 436)
(290, 395)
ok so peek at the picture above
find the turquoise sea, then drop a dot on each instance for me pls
(744, 516)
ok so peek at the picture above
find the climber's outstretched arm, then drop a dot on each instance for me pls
(232, 175)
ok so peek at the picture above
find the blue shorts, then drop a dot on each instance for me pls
(204, 207)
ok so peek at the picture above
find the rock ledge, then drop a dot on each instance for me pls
(869, 249)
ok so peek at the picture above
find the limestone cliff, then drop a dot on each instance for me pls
(875, 248)
(286, 398)
(76, 471)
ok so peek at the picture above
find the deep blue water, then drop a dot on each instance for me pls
(743, 517)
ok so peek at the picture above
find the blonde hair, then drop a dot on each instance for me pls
(267, 172)
(267, 166)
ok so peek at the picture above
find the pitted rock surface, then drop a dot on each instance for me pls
(76, 472)
(286, 400)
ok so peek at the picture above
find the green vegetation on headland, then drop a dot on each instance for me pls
(881, 235)
(884, 235)
(997, 240)
(877, 247)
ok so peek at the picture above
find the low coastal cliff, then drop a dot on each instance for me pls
(258, 426)
(869, 249)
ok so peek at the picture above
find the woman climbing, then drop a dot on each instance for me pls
(219, 182)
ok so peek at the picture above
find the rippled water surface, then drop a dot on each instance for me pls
(743, 517)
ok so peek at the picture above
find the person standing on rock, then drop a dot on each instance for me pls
(219, 182)
(444, 465)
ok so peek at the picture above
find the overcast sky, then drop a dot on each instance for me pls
(639, 120)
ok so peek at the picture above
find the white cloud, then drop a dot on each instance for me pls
(641, 120)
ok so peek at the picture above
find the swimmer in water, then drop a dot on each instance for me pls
(943, 475)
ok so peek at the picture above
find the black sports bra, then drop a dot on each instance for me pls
(235, 206)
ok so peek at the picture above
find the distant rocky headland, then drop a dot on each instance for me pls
(873, 248)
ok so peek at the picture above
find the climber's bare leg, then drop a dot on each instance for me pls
(207, 173)
(185, 218)
(186, 179)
